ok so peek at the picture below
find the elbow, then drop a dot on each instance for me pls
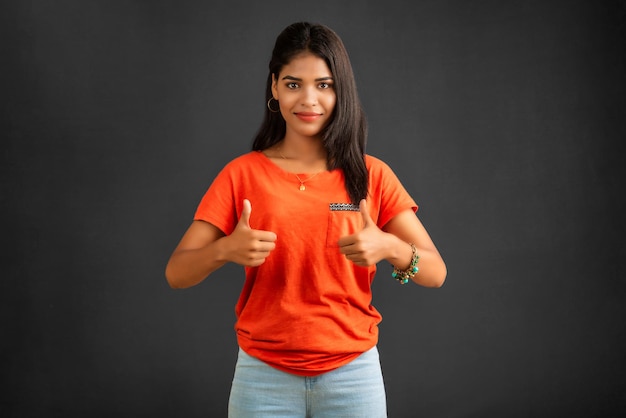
(172, 280)
(173, 284)
(180, 278)
(433, 282)
(436, 277)
(440, 277)
(439, 280)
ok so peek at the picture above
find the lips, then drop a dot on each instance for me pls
(308, 116)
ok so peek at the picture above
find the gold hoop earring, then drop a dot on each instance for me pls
(270, 107)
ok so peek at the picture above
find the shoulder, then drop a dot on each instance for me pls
(376, 165)
(243, 162)
(245, 159)
(239, 167)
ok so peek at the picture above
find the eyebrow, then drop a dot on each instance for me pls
(289, 77)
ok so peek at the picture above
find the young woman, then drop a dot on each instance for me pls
(309, 215)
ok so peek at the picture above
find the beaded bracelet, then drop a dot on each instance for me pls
(403, 276)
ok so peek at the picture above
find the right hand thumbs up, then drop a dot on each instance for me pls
(250, 247)
(245, 213)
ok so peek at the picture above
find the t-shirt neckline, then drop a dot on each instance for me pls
(275, 167)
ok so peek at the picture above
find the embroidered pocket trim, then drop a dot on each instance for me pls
(334, 207)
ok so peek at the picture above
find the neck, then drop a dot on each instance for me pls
(305, 151)
(299, 156)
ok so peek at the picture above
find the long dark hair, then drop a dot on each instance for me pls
(345, 136)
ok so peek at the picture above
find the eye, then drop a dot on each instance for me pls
(292, 85)
(325, 85)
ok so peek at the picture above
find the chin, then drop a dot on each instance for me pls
(308, 132)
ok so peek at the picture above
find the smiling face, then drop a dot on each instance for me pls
(305, 92)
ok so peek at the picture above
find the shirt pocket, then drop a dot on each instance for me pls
(342, 223)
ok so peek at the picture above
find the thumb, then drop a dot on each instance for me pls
(245, 213)
(367, 219)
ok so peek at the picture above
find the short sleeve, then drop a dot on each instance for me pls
(217, 206)
(388, 192)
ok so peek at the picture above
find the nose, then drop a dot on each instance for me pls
(309, 96)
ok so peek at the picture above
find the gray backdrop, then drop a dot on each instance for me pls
(504, 119)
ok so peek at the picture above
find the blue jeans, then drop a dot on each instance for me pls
(353, 390)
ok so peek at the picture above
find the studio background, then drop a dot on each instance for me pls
(504, 120)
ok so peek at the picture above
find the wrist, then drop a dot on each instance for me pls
(402, 274)
(399, 252)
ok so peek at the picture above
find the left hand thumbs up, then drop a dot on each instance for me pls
(365, 247)
(367, 219)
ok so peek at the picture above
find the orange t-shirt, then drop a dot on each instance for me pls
(307, 309)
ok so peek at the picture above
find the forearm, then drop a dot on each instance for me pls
(189, 267)
(432, 270)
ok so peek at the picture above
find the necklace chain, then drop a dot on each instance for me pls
(302, 186)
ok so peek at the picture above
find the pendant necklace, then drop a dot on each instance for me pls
(302, 186)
